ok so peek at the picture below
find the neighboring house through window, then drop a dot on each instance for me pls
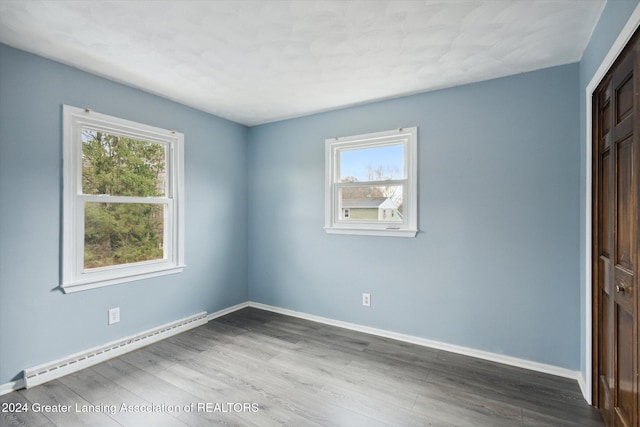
(371, 184)
(123, 212)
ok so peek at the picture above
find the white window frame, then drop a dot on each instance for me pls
(334, 223)
(74, 276)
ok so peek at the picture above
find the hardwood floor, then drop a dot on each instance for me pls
(263, 369)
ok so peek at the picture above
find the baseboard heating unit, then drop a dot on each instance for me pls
(61, 367)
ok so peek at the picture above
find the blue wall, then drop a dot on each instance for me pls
(613, 18)
(39, 324)
(495, 266)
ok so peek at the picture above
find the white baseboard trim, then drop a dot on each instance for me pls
(12, 386)
(582, 382)
(227, 310)
(480, 354)
(78, 361)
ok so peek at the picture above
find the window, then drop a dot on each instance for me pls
(371, 184)
(123, 209)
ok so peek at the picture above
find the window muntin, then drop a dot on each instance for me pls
(372, 184)
(123, 216)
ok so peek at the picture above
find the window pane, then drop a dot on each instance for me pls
(371, 203)
(120, 166)
(122, 233)
(372, 164)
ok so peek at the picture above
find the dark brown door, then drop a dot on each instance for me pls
(616, 186)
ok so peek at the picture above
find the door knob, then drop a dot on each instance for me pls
(621, 288)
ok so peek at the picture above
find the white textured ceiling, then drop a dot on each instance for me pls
(260, 61)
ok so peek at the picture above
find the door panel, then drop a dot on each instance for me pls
(624, 386)
(624, 99)
(616, 180)
(605, 238)
(625, 216)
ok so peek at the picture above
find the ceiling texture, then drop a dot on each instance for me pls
(255, 62)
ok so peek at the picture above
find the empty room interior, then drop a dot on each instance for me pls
(336, 213)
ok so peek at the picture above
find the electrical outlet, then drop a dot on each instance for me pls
(366, 300)
(114, 315)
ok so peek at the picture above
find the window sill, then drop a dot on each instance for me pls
(92, 283)
(372, 232)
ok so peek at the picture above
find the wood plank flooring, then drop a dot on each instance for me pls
(298, 373)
